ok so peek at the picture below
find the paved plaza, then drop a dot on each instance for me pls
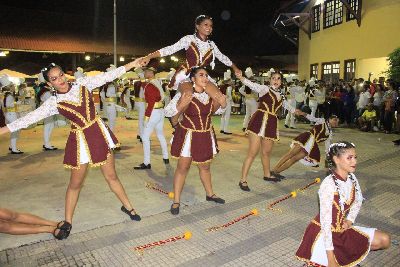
(36, 181)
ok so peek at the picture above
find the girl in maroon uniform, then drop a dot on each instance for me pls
(331, 239)
(90, 141)
(194, 139)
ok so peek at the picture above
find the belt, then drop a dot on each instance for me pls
(11, 109)
(138, 99)
(111, 99)
(158, 105)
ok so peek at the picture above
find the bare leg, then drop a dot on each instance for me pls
(26, 218)
(15, 228)
(292, 152)
(266, 148)
(205, 176)
(284, 158)
(254, 147)
(73, 190)
(381, 240)
(180, 176)
(114, 183)
(301, 154)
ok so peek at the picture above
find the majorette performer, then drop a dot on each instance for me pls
(90, 141)
(250, 97)
(331, 239)
(304, 147)
(194, 138)
(154, 114)
(226, 89)
(263, 125)
(200, 51)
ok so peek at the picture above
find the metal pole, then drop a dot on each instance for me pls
(115, 33)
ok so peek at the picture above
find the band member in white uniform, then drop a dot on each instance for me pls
(226, 89)
(250, 97)
(10, 109)
(110, 105)
(126, 98)
(140, 104)
(48, 122)
(290, 93)
(154, 115)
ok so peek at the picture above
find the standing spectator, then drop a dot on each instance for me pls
(389, 99)
(363, 99)
(377, 102)
(349, 106)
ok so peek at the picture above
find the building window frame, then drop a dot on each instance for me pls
(356, 6)
(316, 18)
(334, 71)
(333, 13)
(349, 69)
(314, 71)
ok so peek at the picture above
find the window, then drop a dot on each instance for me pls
(349, 69)
(333, 13)
(316, 14)
(314, 70)
(356, 6)
(331, 71)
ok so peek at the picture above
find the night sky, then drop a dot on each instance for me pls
(241, 27)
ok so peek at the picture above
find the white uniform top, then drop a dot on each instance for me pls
(49, 107)
(264, 89)
(326, 193)
(203, 47)
(111, 92)
(46, 95)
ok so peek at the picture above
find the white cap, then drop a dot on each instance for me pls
(227, 75)
(4, 80)
(41, 78)
(79, 73)
(171, 74)
(112, 67)
(248, 72)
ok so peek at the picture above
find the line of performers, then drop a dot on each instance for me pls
(329, 240)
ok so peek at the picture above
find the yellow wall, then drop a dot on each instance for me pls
(369, 44)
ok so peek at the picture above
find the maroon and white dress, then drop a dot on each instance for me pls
(309, 140)
(198, 53)
(90, 140)
(340, 200)
(194, 135)
(264, 122)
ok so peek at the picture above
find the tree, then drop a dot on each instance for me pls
(394, 65)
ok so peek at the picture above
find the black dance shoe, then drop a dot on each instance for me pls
(17, 152)
(142, 166)
(286, 126)
(166, 161)
(221, 131)
(63, 230)
(175, 211)
(277, 175)
(226, 133)
(134, 217)
(45, 148)
(215, 199)
(272, 179)
(243, 129)
(244, 186)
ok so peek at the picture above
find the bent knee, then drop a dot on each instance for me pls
(204, 167)
(385, 240)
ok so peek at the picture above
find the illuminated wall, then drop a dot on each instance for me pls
(369, 44)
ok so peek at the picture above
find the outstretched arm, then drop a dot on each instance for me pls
(96, 81)
(48, 108)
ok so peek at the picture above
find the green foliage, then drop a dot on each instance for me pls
(394, 65)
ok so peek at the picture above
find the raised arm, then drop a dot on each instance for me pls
(48, 108)
(183, 43)
(96, 81)
(258, 88)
